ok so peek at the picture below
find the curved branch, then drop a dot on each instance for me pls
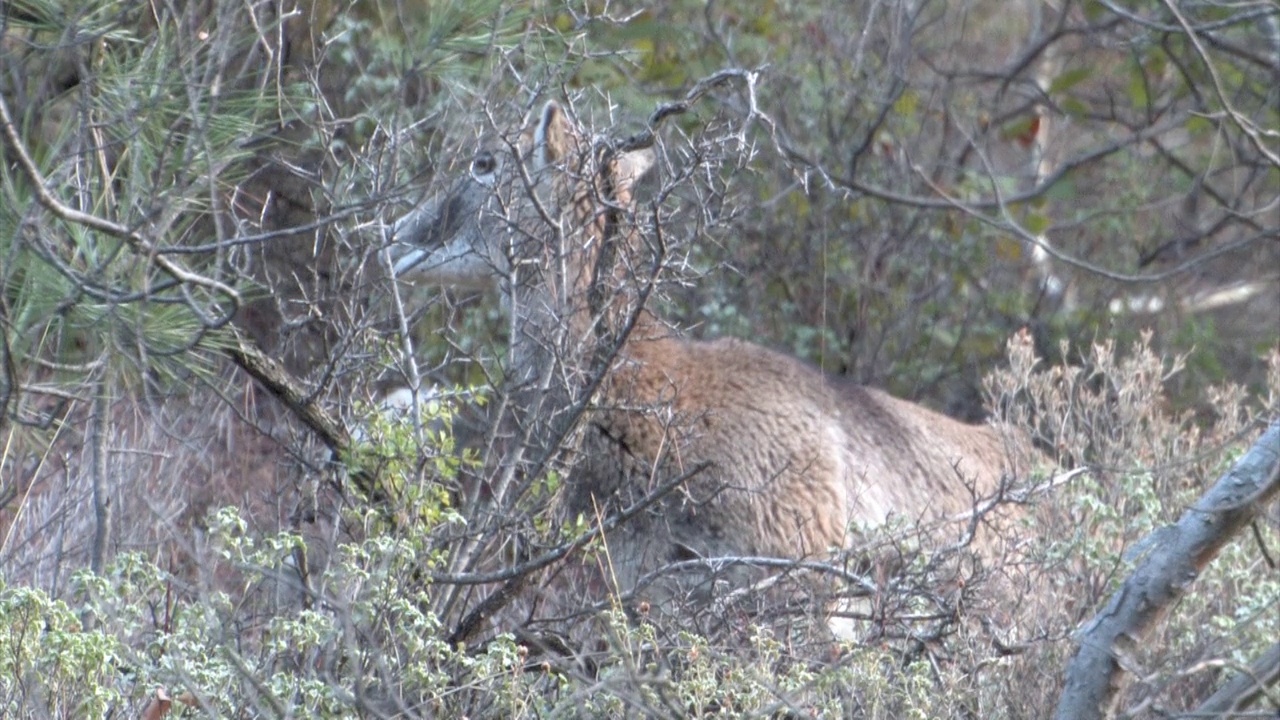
(1246, 126)
(1179, 553)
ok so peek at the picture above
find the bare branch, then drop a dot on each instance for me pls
(1181, 552)
(647, 137)
(1247, 126)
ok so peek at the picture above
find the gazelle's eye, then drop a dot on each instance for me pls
(484, 164)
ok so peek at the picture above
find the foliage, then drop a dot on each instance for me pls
(899, 188)
(266, 628)
(50, 662)
(129, 144)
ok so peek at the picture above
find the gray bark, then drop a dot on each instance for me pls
(102, 514)
(1179, 552)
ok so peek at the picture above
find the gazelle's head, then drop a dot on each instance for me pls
(529, 213)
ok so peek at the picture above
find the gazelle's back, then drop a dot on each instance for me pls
(793, 456)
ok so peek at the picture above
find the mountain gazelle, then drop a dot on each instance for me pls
(775, 458)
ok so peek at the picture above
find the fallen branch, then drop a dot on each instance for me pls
(1180, 552)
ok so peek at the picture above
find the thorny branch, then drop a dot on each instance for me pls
(646, 138)
(520, 575)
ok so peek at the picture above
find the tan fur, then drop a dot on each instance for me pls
(794, 458)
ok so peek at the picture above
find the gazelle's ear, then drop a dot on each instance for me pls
(555, 137)
(629, 167)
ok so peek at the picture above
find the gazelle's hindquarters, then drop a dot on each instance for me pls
(779, 462)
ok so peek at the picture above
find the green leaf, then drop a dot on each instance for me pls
(1073, 107)
(1036, 224)
(1064, 189)
(1138, 94)
(1093, 10)
(1068, 79)
(1199, 125)
(906, 104)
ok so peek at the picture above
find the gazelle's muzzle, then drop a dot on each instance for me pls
(430, 229)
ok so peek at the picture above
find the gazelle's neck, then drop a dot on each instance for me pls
(573, 309)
